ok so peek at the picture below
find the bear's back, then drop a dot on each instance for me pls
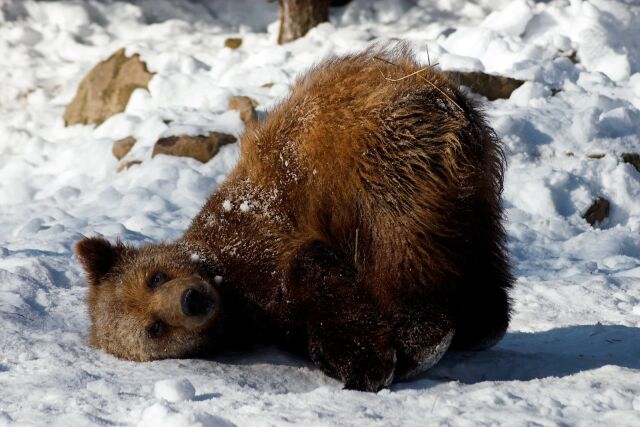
(384, 161)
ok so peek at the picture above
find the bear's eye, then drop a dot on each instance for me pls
(156, 329)
(156, 279)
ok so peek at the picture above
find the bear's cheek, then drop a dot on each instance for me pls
(120, 335)
(117, 325)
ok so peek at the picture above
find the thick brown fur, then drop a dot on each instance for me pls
(362, 222)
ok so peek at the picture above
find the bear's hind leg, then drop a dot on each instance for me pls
(348, 336)
(422, 336)
(362, 360)
(482, 319)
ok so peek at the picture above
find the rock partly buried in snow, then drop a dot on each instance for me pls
(105, 91)
(199, 147)
(246, 106)
(597, 212)
(122, 146)
(633, 159)
(126, 165)
(490, 86)
(174, 390)
(233, 42)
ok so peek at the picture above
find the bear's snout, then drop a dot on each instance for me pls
(186, 302)
(195, 303)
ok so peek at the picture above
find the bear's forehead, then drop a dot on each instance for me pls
(150, 258)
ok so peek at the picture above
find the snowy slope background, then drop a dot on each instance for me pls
(572, 354)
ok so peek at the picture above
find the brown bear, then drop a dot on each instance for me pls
(361, 226)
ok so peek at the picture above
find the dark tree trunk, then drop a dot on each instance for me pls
(299, 16)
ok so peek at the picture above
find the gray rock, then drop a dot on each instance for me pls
(126, 165)
(490, 86)
(233, 42)
(199, 147)
(246, 107)
(632, 159)
(122, 146)
(597, 212)
(106, 90)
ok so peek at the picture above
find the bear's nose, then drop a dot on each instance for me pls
(196, 303)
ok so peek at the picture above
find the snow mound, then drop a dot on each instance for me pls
(174, 390)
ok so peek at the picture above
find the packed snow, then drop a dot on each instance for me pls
(572, 353)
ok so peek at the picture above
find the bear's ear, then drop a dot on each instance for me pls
(98, 257)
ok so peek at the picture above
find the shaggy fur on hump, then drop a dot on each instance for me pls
(388, 186)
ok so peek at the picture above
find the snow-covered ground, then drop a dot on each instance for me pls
(572, 354)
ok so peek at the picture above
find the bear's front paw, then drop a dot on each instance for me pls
(372, 372)
(358, 363)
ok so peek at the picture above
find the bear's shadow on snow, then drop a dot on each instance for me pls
(520, 356)
(263, 355)
(524, 356)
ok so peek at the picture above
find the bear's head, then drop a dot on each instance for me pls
(147, 303)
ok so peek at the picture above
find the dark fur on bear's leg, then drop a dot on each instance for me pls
(421, 338)
(361, 361)
(348, 336)
(482, 304)
(484, 322)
